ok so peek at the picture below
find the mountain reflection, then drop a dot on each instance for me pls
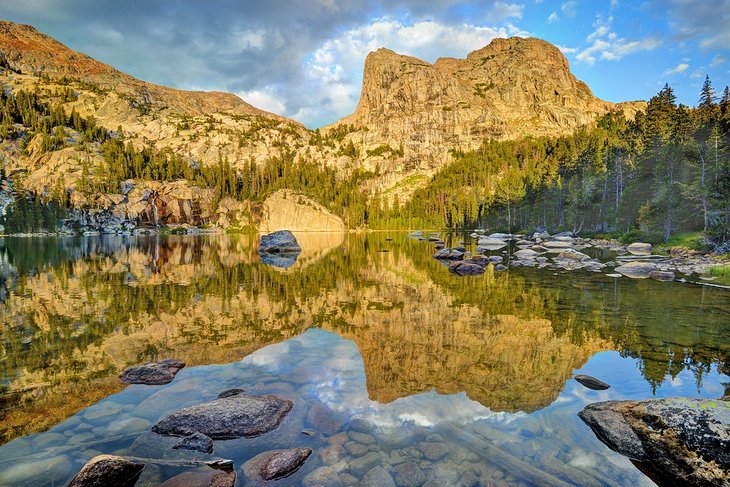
(77, 311)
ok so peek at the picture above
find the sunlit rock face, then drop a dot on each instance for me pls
(288, 210)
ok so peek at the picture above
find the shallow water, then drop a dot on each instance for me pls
(390, 359)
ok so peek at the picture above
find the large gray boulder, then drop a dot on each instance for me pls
(677, 441)
(242, 415)
(105, 470)
(636, 269)
(279, 242)
(153, 373)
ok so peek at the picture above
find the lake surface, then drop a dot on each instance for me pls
(389, 358)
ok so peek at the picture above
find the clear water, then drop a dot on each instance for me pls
(391, 360)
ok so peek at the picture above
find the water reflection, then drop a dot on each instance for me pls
(77, 311)
(427, 437)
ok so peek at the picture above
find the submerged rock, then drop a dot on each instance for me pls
(591, 382)
(676, 441)
(209, 477)
(242, 415)
(105, 470)
(195, 442)
(273, 465)
(153, 373)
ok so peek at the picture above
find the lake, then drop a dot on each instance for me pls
(391, 361)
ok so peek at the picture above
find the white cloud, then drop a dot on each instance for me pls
(718, 60)
(680, 68)
(553, 17)
(502, 10)
(265, 98)
(569, 8)
(567, 50)
(608, 46)
(707, 21)
(333, 69)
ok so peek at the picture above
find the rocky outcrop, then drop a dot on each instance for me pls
(153, 373)
(241, 415)
(293, 211)
(509, 88)
(676, 441)
(105, 470)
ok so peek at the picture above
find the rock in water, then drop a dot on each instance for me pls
(195, 442)
(231, 392)
(242, 415)
(273, 465)
(106, 470)
(636, 270)
(666, 276)
(591, 382)
(464, 268)
(153, 373)
(209, 477)
(280, 242)
(684, 441)
(640, 248)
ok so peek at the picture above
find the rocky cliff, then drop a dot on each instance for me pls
(413, 112)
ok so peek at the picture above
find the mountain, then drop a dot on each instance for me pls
(508, 89)
(29, 51)
(410, 116)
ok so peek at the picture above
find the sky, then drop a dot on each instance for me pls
(304, 58)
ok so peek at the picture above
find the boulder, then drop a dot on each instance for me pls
(572, 255)
(526, 254)
(242, 415)
(152, 373)
(558, 244)
(640, 248)
(280, 242)
(491, 243)
(681, 441)
(448, 254)
(500, 267)
(662, 275)
(277, 464)
(195, 442)
(636, 269)
(464, 268)
(591, 382)
(105, 470)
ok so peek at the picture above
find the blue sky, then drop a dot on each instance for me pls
(304, 58)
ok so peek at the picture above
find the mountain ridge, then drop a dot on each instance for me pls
(28, 50)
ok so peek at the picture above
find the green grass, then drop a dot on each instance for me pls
(691, 240)
(722, 273)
